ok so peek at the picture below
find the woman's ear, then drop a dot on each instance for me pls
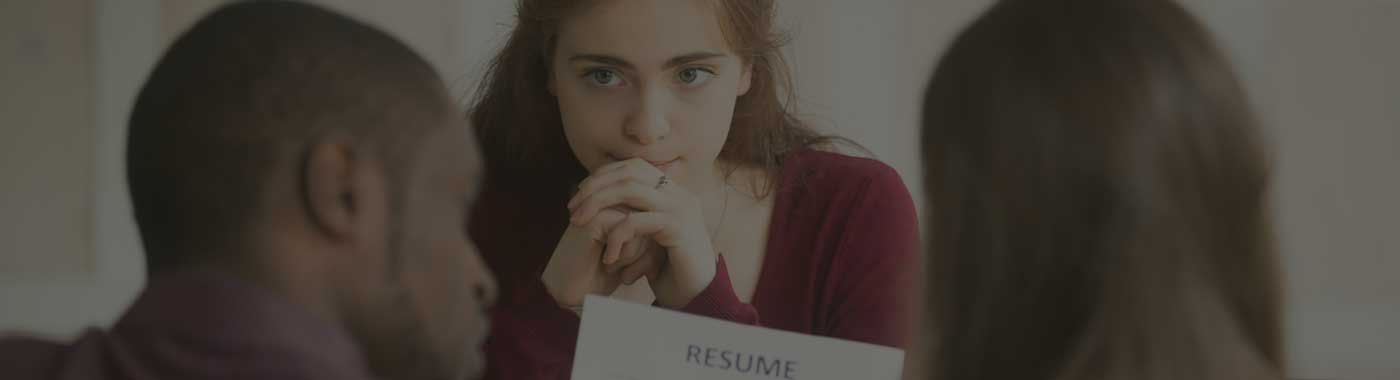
(746, 79)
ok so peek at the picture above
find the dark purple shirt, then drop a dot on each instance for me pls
(196, 326)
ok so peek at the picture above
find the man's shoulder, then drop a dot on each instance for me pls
(29, 357)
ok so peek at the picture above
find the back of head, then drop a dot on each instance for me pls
(246, 90)
(1096, 184)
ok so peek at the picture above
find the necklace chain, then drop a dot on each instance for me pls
(723, 213)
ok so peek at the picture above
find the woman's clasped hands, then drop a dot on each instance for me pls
(629, 221)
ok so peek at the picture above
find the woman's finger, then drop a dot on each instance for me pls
(630, 170)
(605, 220)
(637, 225)
(615, 259)
(630, 253)
(631, 195)
(623, 257)
(648, 264)
(591, 185)
(613, 166)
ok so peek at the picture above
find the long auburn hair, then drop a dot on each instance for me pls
(518, 124)
(1097, 188)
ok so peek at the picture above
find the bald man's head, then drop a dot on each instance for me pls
(248, 88)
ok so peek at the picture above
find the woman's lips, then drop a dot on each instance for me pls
(663, 164)
(658, 163)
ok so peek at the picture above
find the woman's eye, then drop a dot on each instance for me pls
(694, 76)
(604, 78)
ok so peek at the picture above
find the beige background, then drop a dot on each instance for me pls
(1322, 74)
(46, 154)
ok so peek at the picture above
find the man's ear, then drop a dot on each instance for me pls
(330, 191)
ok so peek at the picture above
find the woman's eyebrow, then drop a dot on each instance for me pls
(619, 62)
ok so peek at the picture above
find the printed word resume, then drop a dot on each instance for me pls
(625, 341)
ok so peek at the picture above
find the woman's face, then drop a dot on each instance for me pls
(650, 79)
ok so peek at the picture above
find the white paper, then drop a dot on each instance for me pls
(624, 341)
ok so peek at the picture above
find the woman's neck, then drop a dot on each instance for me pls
(729, 187)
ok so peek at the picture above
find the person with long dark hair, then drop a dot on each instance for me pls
(1098, 208)
(631, 140)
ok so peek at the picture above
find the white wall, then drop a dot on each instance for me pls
(1322, 74)
(47, 108)
(59, 301)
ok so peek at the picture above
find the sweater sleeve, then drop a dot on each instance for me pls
(872, 292)
(531, 337)
(719, 300)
